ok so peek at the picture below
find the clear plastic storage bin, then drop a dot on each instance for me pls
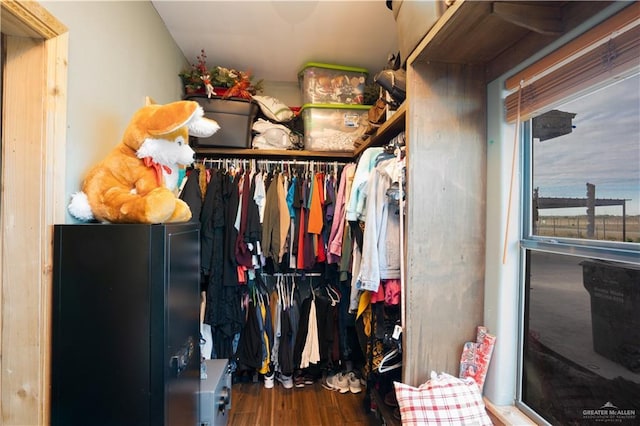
(332, 84)
(330, 127)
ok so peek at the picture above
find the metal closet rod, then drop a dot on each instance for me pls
(254, 163)
(294, 274)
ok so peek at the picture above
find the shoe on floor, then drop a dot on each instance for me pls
(308, 379)
(285, 381)
(269, 381)
(354, 383)
(327, 383)
(343, 383)
(339, 382)
(298, 381)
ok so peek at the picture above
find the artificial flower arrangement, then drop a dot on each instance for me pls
(218, 81)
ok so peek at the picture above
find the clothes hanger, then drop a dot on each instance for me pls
(334, 295)
(280, 288)
(333, 300)
(293, 288)
(382, 368)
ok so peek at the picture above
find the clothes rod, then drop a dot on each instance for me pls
(275, 154)
(294, 274)
(329, 160)
(245, 163)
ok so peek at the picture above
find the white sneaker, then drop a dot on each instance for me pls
(343, 383)
(285, 381)
(269, 381)
(339, 382)
(354, 383)
(327, 383)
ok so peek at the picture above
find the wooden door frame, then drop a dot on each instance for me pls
(32, 199)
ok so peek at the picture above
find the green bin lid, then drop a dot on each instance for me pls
(332, 67)
(335, 106)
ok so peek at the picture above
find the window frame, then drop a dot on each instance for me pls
(527, 242)
(624, 252)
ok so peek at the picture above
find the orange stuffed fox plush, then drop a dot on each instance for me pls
(137, 181)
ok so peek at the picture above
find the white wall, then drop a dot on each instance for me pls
(287, 92)
(119, 52)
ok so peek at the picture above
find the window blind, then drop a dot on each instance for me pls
(610, 50)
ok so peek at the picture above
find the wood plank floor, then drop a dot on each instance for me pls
(252, 404)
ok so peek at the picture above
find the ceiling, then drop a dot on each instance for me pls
(274, 39)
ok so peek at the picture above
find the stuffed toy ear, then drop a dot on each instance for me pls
(170, 117)
(202, 127)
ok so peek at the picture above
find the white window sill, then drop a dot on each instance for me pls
(507, 415)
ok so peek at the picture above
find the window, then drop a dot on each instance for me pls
(581, 256)
(585, 166)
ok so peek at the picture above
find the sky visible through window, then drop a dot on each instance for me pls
(603, 149)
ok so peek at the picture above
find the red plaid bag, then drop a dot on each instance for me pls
(443, 400)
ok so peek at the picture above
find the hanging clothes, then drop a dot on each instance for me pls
(339, 215)
(276, 318)
(304, 218)
(301, 335)
(250, 353)
(328, 207)
(222, 308)
(271, 235)
(381, 239)
(355, 209)
(311, 350)
(260, 194)
(284, 217)
(315, 205)
(285, 350)
(264, 324)
(192, 194)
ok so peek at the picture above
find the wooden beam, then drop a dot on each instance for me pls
(29, 19)
(33, 136)
(538, 18)
(563, 202)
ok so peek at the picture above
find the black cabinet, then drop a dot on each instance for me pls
(125, 338)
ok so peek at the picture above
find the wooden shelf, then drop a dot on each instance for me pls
(480, 32)
(384, 134)
(389, 129)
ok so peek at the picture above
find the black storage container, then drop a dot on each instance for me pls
(615, 310)
(126, 302)
(235, 117)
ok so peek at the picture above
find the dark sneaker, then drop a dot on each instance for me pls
(298, 381)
